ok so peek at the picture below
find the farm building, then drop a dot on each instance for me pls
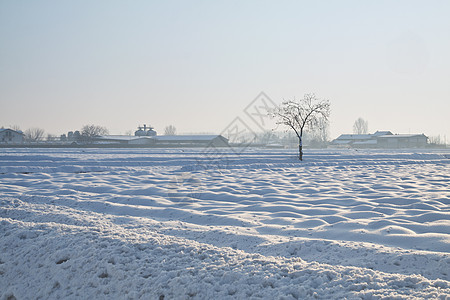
(9, 136)
(347, 140)
(125, 140)
(402, 141)
(380, 139)
(192, 140)
(145, 135)
(165, 140)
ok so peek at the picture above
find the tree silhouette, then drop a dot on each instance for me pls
(361, 126)
(34, 134)
(301, 115)
(88, 132)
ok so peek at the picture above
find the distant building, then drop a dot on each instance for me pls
(166, 140)
(380, 139)
(9, 136)
(145, 131)
(125, 139)
(192, 140)
(147, 136)
(73, 136)
(402, 141)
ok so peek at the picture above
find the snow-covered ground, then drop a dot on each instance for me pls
(181, 224)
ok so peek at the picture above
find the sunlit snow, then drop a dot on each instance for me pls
(165, 224)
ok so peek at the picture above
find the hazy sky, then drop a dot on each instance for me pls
(198, 64)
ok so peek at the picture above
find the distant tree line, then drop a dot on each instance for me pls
(86, 135)
(437, 140)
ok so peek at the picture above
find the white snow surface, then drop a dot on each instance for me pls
(224, 224)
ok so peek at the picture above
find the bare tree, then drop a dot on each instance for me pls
(170, 130)
(437, 140)
(90, 131)
(320, 133)
(34, 134)
(301, 115)
(361, 126)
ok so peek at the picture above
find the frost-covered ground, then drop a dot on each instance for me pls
(181, 224)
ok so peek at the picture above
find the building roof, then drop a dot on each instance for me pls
(354, 137)
(371, 139)
(202, 137)
(401, 136)
(380, 133)
(9, 129)
(162, 138)
(122, 137)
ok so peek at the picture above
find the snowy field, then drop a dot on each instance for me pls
(182, 224)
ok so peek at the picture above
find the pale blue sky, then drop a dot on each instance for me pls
(197, 64)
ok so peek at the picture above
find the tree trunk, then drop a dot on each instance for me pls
(300, 149)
